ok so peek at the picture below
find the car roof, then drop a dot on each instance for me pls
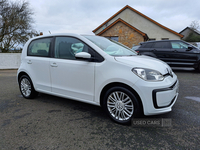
(57, 34)
(158, 41)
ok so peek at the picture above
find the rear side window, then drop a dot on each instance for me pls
(161, 45)
(148, 45)
(40, 47)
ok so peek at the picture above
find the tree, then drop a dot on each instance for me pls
(194, 34)
(15, 24)
(192, 37)
(194, 25)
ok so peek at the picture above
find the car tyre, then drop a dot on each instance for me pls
(197, 68)
(121, 105)
(26, 87)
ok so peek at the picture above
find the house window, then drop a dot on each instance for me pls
(115, 38)
(165, 39)
(152, 39)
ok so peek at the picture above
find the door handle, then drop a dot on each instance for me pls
(154, 50)
(175, 51)
(29, 62)
(54, 65)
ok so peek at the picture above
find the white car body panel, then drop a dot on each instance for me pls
(38, 69)
(73, 78)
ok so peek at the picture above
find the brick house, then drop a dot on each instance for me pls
(130, 27)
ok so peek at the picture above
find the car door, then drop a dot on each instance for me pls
(162, 50)
(37, 63)
(181, 56)
(146, 49)
(71, 77)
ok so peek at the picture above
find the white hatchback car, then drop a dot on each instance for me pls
(98, 71)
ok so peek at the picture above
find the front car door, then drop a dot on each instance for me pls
(72, 78)
(181, 56)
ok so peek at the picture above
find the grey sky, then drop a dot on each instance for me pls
(83, 16)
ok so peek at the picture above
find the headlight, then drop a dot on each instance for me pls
(148, 74)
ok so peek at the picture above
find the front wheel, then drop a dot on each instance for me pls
(198, 68)
(26, 87)
(121, 104)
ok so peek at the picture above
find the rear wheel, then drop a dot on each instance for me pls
(26, 87)
(121, 104)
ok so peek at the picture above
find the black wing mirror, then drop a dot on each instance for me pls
(189, 48)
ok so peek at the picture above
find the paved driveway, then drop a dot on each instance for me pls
(49, 122)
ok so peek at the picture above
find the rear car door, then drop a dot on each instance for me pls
(146, 49)
(37, 61)
(181, 56)
(162, 50)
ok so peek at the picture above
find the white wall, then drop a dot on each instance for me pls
(10, 60)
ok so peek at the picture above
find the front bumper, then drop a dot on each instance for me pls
(165, 97)
(158, 97)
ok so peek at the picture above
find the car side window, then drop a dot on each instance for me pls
(67, 47)
(163, 45)
(179, 45)
(39, 47)
(148, 45)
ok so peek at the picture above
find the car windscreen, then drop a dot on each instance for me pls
(111, 47)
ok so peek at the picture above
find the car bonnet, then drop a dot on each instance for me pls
(140, 61)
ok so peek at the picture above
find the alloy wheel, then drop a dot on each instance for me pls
(120, 105)
(25, 87)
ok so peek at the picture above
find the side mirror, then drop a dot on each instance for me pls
(189, 48)
(83, 55)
